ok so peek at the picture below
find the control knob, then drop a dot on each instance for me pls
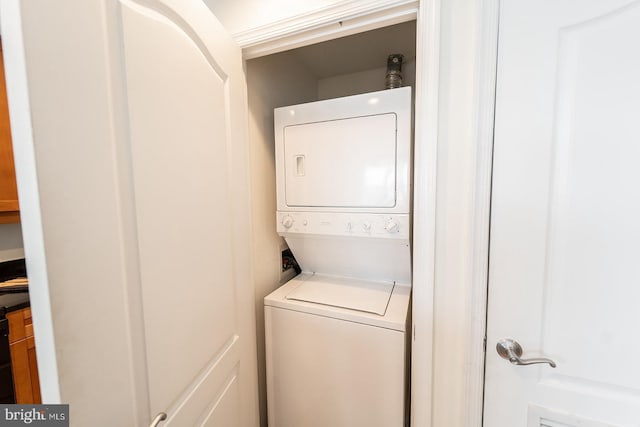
(392, 226)
(366, 226)
(287, 221)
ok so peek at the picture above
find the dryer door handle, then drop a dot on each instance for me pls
(300, 165)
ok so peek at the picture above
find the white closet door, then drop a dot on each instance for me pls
(565, 206)
(187, 113)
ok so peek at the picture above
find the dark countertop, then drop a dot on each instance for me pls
(13, 301)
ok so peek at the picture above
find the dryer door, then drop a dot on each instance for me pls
(342, 163)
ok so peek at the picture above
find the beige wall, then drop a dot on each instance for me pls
(362, 82)
(273, 81)
(11, 246)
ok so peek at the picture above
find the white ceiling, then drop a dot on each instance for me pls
(364, 51)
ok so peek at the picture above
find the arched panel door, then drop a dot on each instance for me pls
(185, 104)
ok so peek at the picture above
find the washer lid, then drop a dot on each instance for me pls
(352, 294)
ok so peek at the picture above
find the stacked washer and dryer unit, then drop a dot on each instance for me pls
(337, 334)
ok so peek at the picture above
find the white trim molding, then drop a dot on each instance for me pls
(486, 61)
(336, 20)
(424, 210)
(468, 44)
(31, 218)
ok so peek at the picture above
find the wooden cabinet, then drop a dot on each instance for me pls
(23, 357)
(9, 210)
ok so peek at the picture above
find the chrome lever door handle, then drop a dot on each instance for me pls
(511, 350)
(160, 417)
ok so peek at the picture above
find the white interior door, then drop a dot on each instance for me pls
(564, 255)
(187, 119)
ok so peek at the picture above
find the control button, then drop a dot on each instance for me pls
(366, 226)
(287, 221)
(392, 226)
(305, 222)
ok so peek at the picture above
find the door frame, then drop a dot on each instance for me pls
(466, 94)
(484, 106)
(469, 36)
(443, 381)
(28, 191)
(340, 19)
(354, 16)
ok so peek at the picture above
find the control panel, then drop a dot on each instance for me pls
(341, 224)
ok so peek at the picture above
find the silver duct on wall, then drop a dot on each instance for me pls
(393, 78)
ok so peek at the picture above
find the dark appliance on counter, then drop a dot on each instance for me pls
(7, 394)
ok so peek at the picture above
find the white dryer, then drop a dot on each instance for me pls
(336, 335)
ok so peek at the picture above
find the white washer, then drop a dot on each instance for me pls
(336, 335)
(336, 352)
